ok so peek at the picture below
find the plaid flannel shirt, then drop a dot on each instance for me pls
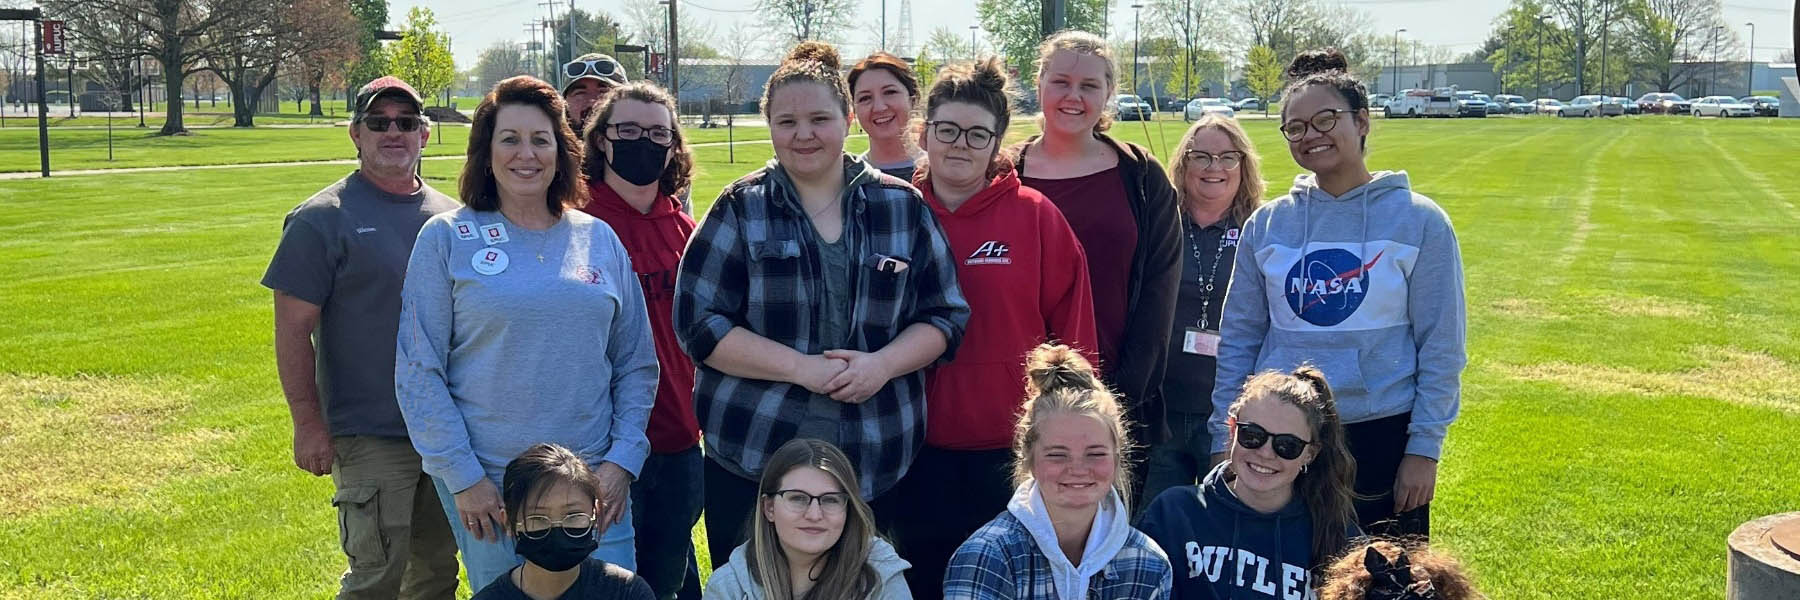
(754, 264)
(1002, 562)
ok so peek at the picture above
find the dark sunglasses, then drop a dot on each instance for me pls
(1322, 121)
(380, 124)
(1287, 446)
(578, 68)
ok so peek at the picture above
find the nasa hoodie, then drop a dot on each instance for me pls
(1221, 549)
(1368, 287)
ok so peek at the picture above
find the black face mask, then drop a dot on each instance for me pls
(556, 551)
(638, 161)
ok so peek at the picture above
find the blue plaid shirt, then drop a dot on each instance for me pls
(754, 263)
(1002, 562)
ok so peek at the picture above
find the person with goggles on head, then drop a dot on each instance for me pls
(590, 77)
(1278, 508)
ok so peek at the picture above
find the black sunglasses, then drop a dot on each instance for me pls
(380, 124)
(1287, 446)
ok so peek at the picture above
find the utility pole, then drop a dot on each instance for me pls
(1055, 14)
(1713, 85)
(34, 19)
(884, 25)
(673, 63)
(1539, 59)
(1605, 29)
(1187, 44)
(806, 22)
(972, 53)
(556, 61)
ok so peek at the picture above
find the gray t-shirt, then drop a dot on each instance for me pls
(345, 250)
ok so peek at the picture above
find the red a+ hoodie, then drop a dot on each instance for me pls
(655, 241)
(1026, 279)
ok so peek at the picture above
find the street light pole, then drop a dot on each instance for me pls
(1712, 86)
(1135, 56)
(972, 53)
(1539, 58)
(1396, 60)
(1750, 78)
(1187, 43)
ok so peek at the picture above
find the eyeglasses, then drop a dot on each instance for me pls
(573, 525)
(1226, 161)
(380, 124)
(978, 137)
(1321, 121)
(797, 502)
(578, 68)
(631, 131)
(1287, 446)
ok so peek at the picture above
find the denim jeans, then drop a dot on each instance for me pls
(488, 560)
(665, 503)
(1180, 461)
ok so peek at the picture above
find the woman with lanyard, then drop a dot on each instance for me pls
(1218, 182)
(1355, 273)
(521, 322)
(884, 90)
(1119, 201)
(811, 297)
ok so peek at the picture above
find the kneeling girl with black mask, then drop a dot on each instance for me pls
(553, 500)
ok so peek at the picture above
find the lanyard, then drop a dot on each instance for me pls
(1206, 280)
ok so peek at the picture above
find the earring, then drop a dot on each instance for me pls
(1303, 468)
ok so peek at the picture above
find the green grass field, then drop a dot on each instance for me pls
(1632, 394)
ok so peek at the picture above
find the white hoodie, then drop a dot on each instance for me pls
(1108, 536)
(734, 581)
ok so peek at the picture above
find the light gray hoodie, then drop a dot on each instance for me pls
(734, 581)
(1368, 287)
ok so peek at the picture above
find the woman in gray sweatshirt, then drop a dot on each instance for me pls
(1356, 274)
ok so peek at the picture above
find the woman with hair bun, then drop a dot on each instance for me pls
(884, 90)
(811, 297)
(1119, 202)
(1065, 533)
(1356, 273)
(1025, 277)
(1264, 521)
(1385, 570)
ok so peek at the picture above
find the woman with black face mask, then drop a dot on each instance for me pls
(554, 500)
(638, 162)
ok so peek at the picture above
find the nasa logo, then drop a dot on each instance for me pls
(1327, 286)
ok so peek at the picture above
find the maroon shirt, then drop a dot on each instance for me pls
(1099, 212)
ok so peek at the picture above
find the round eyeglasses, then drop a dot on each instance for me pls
(798, 502)
(1226, 161)
(1321, 122)
(573, 525)
(978, 137)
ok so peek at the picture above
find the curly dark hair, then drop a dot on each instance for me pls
(1328, 67)
(1348, 577)
(680, 171)
(476, 185)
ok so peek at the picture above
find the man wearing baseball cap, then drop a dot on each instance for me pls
(590, 77)
(336, 275)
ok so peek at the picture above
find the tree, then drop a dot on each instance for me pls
(1013, 27)
(647, 22)
(1786, 56)
(1264, 73)
(499, 61)
(371, 60)
(1198, 28)
(174, 33)
(336, 42)
(422, 56)
(1278, 25)
(1531, 55)
(802, 20)
(1666, 37)
(248, 52)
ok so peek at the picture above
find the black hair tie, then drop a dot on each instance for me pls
(1393, 580)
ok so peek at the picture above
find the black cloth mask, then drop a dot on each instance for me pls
(557, 550)
(638, 161)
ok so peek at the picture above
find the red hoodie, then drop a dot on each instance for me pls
(654, 241)
(1026, 279)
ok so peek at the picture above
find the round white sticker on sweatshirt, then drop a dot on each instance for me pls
(489, 261)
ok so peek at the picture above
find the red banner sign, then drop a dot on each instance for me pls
(55, 37)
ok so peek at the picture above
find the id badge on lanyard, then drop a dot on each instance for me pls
(1202, 342)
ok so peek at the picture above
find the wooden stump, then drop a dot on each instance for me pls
(1764, 563)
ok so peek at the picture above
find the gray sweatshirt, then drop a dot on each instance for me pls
(734, 581)
(498, 351)
(1376, 303)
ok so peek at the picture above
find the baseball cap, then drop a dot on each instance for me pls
(596, 66)
(387, 85)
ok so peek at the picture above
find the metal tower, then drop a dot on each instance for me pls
(903, 37)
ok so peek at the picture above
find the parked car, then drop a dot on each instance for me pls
(1492, 108)
(1133, 108)
(1625, 104)
(1590, 106)
(1766, 106)
(1721, 106)
(1512, 105)
(1199, 107)
(1546, 106)
(1470, 104)
(1379, 101)
(1251, 103)
(1662, 103)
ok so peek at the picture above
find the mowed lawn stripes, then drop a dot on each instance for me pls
(1631, 395)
